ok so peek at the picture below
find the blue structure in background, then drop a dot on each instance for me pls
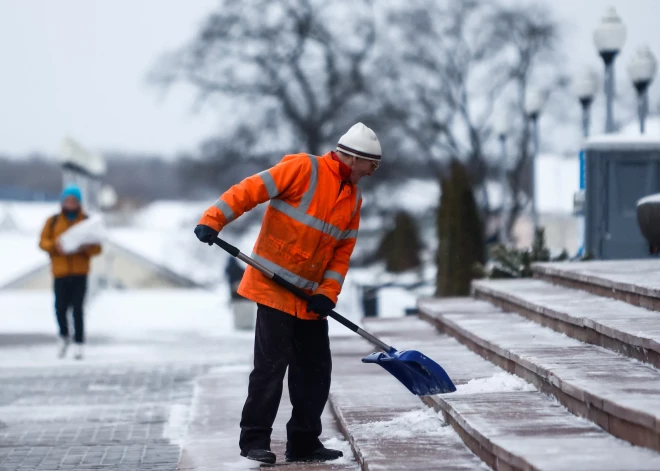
(583, 166)
(15, 193)
(578, 203)
(620, 172)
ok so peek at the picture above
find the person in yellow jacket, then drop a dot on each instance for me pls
(307, 236)
(69, 270)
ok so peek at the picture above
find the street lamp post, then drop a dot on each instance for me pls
(585, 87)
(609, 37)
(642, 68)
(533, 104)
(501, 129)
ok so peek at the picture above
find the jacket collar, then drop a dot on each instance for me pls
(339, 168)
(79, 217)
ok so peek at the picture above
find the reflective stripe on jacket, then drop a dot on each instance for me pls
(308, 232)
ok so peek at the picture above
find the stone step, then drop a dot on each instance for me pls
(499, 416)
(619, 394)
(636, 282)
(387, 426)
(630, 330)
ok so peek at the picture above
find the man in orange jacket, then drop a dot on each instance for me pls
(69, 270)
(307, 237)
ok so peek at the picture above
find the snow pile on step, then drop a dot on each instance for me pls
(499, 382)
(337, 443)
(413, 423)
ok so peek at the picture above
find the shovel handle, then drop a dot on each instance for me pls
(234, 252)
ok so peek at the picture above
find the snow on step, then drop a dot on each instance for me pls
(461, 364)
(538, 433)
(634, 276)
(389, 428)
(621, 387)
(616, 319)
(504, 414)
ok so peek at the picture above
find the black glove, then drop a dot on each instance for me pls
(320, 305)
(205, 233)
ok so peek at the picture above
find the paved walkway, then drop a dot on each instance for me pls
(91, 417)
(211, 441)
(161, 388)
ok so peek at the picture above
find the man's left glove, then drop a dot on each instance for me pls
(205, 233)
(320, 305)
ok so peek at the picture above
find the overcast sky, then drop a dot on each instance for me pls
(78, 68)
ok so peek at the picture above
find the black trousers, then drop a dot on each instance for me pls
(282, 341)
(70, 292)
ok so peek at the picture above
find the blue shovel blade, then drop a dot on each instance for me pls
(417, 372)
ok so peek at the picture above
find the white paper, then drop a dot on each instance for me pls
(89, 231)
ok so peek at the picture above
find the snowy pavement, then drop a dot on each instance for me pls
(212, 432)
(162, 384)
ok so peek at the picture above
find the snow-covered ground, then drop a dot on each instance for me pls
(20, 226)
(126, 327)
(26, 217)
(19, 255)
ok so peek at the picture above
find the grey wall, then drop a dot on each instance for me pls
(618, 174)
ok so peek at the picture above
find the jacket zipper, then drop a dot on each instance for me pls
(69, 258)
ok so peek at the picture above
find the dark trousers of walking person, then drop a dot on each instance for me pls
(70, 293)
(282, 340)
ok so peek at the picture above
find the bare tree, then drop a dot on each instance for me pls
(441, 95)
(296, 67)
(456, 60)
(532, 36)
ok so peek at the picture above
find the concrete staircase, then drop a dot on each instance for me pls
(551, 375)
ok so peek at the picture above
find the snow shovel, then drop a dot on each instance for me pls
(417, 372)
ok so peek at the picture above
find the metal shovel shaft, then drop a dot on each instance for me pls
(233, 251)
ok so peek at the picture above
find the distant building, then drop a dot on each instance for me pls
(17, 193)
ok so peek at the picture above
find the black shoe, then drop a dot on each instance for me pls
(320, 454)
(264, 456)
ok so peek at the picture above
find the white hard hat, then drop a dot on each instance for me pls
(360, 141)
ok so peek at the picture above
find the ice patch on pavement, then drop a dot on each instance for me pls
(177, 424)
(104, 388)
(499, 382)
(414, 423)
(230, 368)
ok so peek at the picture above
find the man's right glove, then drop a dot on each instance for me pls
(320, 304)
(206, 233)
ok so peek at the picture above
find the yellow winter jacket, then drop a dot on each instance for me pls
(69, 264)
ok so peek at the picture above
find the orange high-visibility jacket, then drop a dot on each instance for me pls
(308, 232)
(69, 264)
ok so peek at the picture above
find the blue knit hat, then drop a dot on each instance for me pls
(71, 190)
